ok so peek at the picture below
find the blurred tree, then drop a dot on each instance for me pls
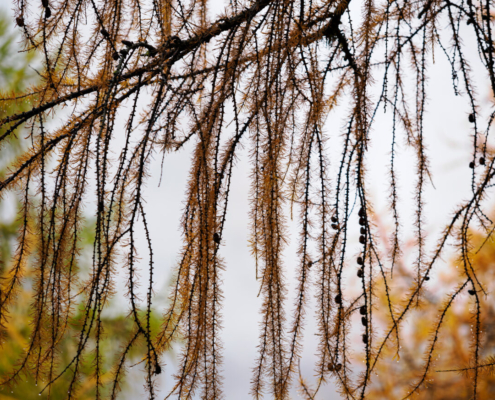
(435, 351)
(16, 74)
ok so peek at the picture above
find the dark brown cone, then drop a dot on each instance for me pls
(216, 238)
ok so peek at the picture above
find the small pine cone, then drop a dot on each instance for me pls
(20, 21)
(115, 56)
(482, 160)
(216, 238)
(362, 221)
(48, 12)
(365, 339)
(471, 118)
(338, 299)
(363, 230)
(362, 239)
(360, 273)
(332, 367)
(360, 261)
(471, 292)
(364, 321)
(362, 310)
(334, 220)
(471, 165)
(104, 32)
(44, 3)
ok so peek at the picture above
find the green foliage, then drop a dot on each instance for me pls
(15, 74)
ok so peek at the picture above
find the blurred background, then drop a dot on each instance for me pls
(449, 143)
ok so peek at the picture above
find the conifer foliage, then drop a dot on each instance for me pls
(263, 75)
